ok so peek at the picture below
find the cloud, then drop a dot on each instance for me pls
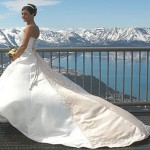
(2, 17)
(16, 5)
(5, 16)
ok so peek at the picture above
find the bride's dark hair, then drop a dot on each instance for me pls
(31, 8)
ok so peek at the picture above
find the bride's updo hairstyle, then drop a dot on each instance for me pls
(31, 8)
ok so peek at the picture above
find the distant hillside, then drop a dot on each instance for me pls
(103, 87)
(81, 37)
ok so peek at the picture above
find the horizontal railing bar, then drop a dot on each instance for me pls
(96, 49)
(132, 103)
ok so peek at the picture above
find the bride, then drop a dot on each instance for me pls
(49, 108)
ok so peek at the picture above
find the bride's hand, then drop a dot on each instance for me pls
(13, 57)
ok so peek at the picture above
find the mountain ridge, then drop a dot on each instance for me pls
(80, 37)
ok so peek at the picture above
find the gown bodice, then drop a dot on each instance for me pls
(31, 44)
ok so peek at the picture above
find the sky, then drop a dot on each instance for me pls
(88, 14)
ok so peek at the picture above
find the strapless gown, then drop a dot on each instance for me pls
(47, 107)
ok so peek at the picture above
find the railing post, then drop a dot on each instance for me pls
(100, 74)
(147, 72)
(1, 60)
(91, 89)
(139, 79)
(67, 63)
(107, 87)
(75, 71)
(51, 59)
(59, 60)
(115, 88)
(131, 76)
(83, 69)
(123, 81)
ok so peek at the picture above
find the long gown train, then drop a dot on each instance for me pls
(49, 108)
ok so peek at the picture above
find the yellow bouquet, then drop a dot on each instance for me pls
(12, 52)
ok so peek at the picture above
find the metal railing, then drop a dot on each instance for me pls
(122, 74)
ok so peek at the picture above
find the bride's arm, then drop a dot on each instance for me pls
(27, 35)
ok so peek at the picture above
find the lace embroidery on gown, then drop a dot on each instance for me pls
(57, 111)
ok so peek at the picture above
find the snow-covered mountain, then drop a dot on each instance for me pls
(132, 36)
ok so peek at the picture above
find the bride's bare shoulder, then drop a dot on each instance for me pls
(31, 27)
(33, 30)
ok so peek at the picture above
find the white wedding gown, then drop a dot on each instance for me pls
(49, 108)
